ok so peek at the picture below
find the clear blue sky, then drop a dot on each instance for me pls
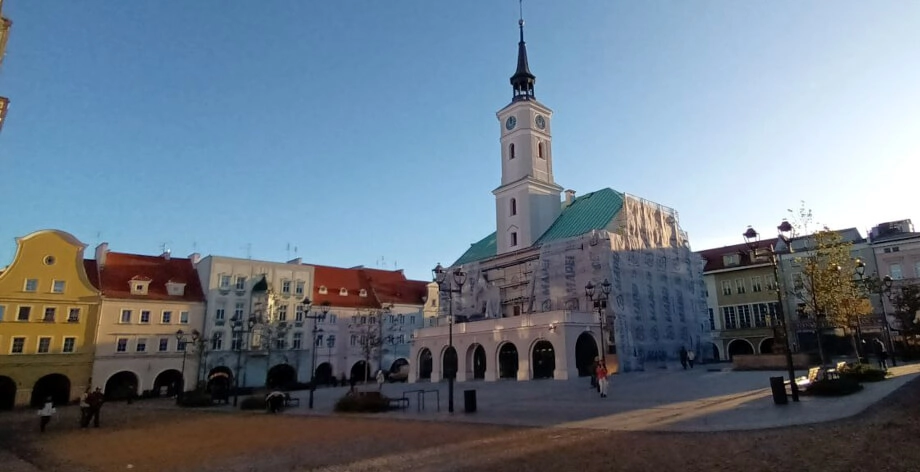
(356, 130)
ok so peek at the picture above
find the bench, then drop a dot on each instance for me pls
(290, 401)
(399, 402)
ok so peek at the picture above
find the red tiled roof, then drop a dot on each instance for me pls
(120, 269)
(383, 287)
(715, 261)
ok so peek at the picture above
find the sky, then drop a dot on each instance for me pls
(361, 132)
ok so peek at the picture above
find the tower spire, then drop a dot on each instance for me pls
(522, 81)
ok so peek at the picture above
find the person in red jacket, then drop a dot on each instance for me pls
(602, 378)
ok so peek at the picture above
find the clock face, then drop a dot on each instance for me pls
(541, 122)
(510, 123)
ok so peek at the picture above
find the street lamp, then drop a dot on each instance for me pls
(752, 239)
(307, 305)
(861, 272)
(600, 304)
(238, 329)
(885, 288)
(458, 279)
(180, 341)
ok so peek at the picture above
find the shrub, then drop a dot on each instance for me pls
(195, 399)
(253, 403)
(834, 387)
(863, 373)
(362, 404)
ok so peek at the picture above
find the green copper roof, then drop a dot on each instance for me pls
(588, 212)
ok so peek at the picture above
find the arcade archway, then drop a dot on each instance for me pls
(56, 386)
(425, 364)
(7, 393)
(220, 379)
(507, 361)
(739, 347)
(449, 363)
(121, 385)
(766, 346)
(280, 375)
(585, 353)
(323, 374)
(360, 371)
(544, 360)
(476, 362)
(167, 383)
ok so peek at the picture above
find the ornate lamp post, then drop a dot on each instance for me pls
(600, 305)
(885, 288)
(458, 279)
(307, 305)
(180, 338)
(752, 239)
(238, 330)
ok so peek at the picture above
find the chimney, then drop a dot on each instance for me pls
(297, 261)
(569, 198)
(194, 257)
(165, 254)
(101, 250)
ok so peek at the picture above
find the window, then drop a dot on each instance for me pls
(241, 283)
(514, 239)
(217, 341)
(726, 287)
(760, 315)
(73, 315)
(513, 206)
(219, 313)
(319, 340)
(362, 293)
(58, 286)
(515, 311)
(354, 340)
(181, 345)
(712, 320)
(166, 318)
(411, 319)
(141, 345)
(69, 345)
(739, 286)
(44, 345)
(744, 315)
(298, 315)
(511, 151)
(756, 284)
(896, 272)
(164, 344)
(323, 290)
(770, 282)
(330, 341)
(125, 316)
(729, 318)
(282, 312)
(343, 292)
(2, 311)
(145, 316)
(372, 320)
(364, 320)
(121, 345)
(540, 150)
(183, 317)
(299, 287)
(49, 314)
(332, 318)
(24, 313)
(236, 341)
(286, 287)
(731, 259)
(402, 319)
(17, 346)
(238, 310)
(31, 285)
(297, 342)
(280, 342)
(175, 289)
(224, 282)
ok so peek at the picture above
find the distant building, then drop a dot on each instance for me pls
(48, 314)
(896, 251)
(146, 301)
(522, 311)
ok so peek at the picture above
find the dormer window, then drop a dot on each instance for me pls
(139, 285)
(343, 292)
(731, 259)
(362, 293)
(175, 289)
(323, 290)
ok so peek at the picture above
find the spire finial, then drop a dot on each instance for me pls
(522, 81)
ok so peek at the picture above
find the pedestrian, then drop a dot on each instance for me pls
(683, 357)
(95, 401)
(45, 414)
(691, 356)
(381, 378)
(882, 355)
(275, 401)
(84, 406)
(351, 383)
(594, 384)
(601, 373)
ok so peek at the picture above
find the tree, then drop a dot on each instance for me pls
(906, 302)
(825, 287)
(369, 337)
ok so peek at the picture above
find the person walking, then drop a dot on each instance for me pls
(601, 373)
(381, 378)
(84, 406)
(683, 357)
(691, 356)
(45, 414)
(594, 384)
(882, 355)
(95, 401)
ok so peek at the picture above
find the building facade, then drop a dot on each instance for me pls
(742, 300)
(896, 251)
(146, 301)
(521, 311)
(48, 313)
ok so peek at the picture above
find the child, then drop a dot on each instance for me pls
(45, 414)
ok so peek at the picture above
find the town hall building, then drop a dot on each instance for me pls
(515, 305)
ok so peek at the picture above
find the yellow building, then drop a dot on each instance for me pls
(48, 314)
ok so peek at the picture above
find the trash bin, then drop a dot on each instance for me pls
(469, 401)
(778, 386)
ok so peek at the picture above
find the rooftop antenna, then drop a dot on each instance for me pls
(289, 251)
(248, 248)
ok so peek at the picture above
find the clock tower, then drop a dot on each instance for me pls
(528, 200)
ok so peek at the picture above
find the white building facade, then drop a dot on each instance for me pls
(522, 310)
